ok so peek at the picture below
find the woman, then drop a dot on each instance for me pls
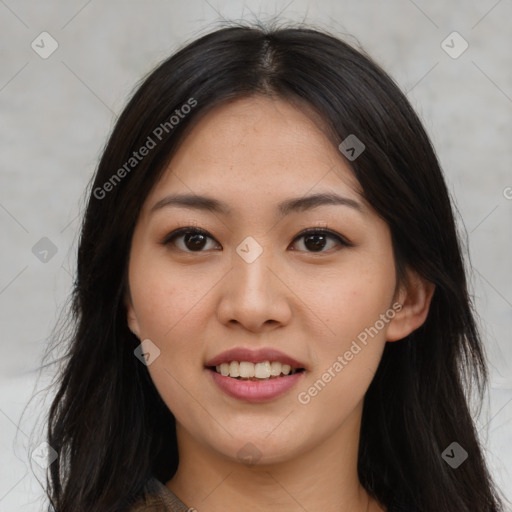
(269, 285)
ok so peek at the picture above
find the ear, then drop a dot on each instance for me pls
(131, 317)
(415, 296)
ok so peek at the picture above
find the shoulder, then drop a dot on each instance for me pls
(157, 498)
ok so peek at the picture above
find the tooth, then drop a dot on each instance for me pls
(275, 368)
(234, 369)
(262, 370)
(246, 369)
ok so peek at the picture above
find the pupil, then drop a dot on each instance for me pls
(318, 243)
(194, 240)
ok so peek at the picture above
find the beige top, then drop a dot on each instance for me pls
(158, 498)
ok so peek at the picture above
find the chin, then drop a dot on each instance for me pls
(255, 450)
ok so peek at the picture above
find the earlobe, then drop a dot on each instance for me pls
(131, 317)
(415, 297)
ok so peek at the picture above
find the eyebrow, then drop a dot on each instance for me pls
(286, 207)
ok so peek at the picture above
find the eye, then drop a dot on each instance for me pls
(315, 240)
(192, 239)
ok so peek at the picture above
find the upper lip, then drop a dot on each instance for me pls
(254, 356)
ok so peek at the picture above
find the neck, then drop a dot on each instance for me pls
(322, 477)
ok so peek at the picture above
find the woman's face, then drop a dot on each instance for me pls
(326, 302)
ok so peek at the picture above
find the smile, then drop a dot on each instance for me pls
(264, 370)
(255, 389)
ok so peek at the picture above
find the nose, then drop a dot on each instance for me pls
(254, 294)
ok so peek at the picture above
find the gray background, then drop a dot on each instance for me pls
(56, 114)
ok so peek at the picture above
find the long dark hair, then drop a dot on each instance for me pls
(111, 429)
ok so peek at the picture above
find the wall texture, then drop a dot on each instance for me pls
(66, 70)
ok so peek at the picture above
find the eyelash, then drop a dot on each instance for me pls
(171, 237)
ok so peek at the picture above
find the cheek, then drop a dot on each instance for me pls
(165, 300)
(353, 300)
(168, 311)
(347, 358)
(351, 303)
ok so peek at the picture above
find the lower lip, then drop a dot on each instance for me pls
(255, 391)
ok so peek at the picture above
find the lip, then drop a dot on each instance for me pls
(254, 391)
(253, 356)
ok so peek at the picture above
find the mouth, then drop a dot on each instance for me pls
(255, 376)
(261, 371)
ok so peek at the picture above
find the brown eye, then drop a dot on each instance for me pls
(316, 240)
(189, 239)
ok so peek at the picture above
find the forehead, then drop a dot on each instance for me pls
(257, 147)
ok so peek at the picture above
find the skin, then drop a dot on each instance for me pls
(253, 153)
